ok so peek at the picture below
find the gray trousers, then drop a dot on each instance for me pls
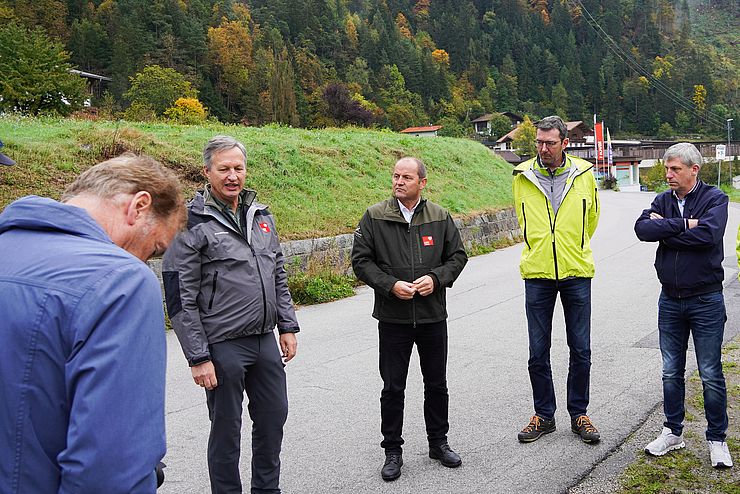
(252, 364)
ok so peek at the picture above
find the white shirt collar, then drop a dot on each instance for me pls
(407, 213)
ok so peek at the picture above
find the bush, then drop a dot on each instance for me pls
(609, 182)
(139, 112)
(159, 88)
(320, 287)
(188, 111)
(654, 179)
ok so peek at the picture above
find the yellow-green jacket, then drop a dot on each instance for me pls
(558, 245)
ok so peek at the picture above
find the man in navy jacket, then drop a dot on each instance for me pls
(688, 222)
(82, 341)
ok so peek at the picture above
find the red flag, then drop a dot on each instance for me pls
(599, 139)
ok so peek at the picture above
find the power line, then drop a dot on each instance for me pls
(630, 61)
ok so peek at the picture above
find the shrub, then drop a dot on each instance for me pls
(139, 112)
(188, 111)
(609, 182)
(320, 287)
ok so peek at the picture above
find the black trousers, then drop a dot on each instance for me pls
(396, 343)
(252, 364)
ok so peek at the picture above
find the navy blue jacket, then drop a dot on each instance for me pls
(688, 261)
(82, 357)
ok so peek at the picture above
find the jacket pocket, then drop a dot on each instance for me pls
(213, 291)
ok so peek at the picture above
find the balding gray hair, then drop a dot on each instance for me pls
(421, 169)
(685, 152)
(221, 143)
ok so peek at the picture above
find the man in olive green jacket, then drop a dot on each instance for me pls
(409, 251)
(557, 206)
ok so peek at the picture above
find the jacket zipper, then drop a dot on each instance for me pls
(524, 217)
(552, 235)
(262, 284)
(583, 225)
(213, 293)
(413, 275)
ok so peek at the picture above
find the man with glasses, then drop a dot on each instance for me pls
(557, 207)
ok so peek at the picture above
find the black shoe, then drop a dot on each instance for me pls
(445, 455)
(582, 426)
(392, 467)
(536, 428)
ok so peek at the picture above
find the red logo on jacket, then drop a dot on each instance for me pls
(427, 240)
(265, 227)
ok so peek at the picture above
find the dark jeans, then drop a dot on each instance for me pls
(703, 316)
(575, 295)
(251, 363)
(396, 344)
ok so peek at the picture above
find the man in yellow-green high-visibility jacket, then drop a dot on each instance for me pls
(557, 206)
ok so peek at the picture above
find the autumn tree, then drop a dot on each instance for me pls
(230, 50)
(523, 142)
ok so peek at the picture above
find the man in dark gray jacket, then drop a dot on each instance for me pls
(226, 290)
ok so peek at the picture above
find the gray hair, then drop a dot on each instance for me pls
(421, 169)
(685, 152)
(129, 174)
(553, 122)
(218, 144)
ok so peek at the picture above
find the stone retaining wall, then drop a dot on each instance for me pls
(481, 230)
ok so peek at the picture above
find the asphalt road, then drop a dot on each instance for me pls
(332, 436)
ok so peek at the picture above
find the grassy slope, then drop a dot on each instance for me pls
(317, 182)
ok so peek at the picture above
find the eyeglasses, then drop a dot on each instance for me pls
(547, 143)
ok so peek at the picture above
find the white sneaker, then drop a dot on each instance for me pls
(667, 441)
(720, 454)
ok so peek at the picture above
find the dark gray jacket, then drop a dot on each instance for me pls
(221, 284)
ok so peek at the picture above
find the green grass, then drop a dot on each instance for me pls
(316, 182)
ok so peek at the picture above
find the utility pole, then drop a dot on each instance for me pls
(719, 171)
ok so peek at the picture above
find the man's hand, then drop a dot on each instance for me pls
(288, 345)
(424, 285)
(655, 216)
(404, 290)
(692, 223)
(204, 375)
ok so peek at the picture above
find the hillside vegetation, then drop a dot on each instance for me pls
(317, 182)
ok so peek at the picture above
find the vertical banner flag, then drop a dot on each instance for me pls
(609, 156)
(599, 139)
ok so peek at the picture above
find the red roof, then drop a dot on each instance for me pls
(431, 128)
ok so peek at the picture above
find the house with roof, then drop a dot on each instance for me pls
(578, 134)
(482, 124)
(428, 131)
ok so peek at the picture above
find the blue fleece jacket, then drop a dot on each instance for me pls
(82, 357)
(688, 260)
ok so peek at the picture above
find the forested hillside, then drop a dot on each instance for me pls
(639, 64)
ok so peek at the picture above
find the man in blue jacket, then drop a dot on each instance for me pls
(688, 222)
(82, 343)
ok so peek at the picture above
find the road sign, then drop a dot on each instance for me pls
(720, 152)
